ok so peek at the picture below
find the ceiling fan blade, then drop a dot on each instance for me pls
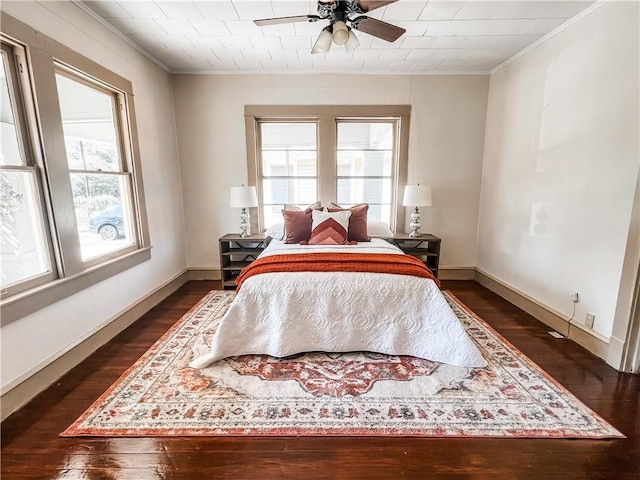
(378, 28)
(276, 21)
(368, 5)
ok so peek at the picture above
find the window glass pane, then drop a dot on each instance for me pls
(286, 163)
(364, 136)
(288, 136)
(9, 149)
(298, 191)
(85, 154)
(102, 213)
(89, 126)
(352, 191)
(23, 247)
(271, 214)
(359, 163)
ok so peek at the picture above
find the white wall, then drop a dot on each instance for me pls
(32, 342)
(445, 146)
(561, 164)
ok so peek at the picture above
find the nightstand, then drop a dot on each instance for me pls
(237, 252)
(426, 247)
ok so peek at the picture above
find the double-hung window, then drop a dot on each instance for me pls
(71, 196)
(25, 252)
(96, 158)
(342, 154)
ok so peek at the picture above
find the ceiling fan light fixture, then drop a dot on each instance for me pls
(340, 32)
(323, 43)
(352, 43)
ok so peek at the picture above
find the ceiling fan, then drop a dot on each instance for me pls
(343, 16)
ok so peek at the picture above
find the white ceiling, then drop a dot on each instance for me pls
(219, 36)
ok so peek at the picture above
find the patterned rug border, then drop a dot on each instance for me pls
(537, 367)
(74, 430)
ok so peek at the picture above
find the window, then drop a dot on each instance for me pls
(71, 196)
(99, 182)
(347, 155)
(25, 253)
(288, 166)
(365, 154)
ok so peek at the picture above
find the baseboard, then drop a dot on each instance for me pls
(457, 273)
(27, 386)
(597, 345)
(204, 273)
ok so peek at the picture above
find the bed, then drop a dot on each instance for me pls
(280, 312)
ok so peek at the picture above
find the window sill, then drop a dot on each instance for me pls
(25, 303)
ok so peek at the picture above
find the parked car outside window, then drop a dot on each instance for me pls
(108, 223)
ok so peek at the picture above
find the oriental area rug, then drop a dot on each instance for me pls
(347, 394)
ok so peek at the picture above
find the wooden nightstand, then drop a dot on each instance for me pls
(426, 247)
(236, 253)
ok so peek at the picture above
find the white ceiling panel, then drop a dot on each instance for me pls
(440, 10)
(404, 11)
(260, 43)
(142, 9)
(294, 7)
(210, 27)
(476, 10)
(180, 10)
(237, 42)
(177, 27)
(205, 41)
(216, 10)
(212, 36)
(250, 10)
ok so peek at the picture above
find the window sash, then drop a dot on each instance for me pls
(118, 123)
(19, 90)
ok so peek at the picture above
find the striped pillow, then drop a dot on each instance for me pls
(329, 228)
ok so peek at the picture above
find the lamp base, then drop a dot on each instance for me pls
(415, 223)
(245, 225)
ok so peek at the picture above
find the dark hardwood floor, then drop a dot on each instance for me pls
(31, 447)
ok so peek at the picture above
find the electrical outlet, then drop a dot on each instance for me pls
(573, 296)
(590, 319)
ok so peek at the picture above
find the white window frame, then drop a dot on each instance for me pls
(43, 57)
(327, 117)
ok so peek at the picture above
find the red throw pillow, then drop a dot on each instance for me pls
(297, 225)
(357, 222)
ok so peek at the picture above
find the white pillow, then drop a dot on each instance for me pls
(275, 231)
(379, 229)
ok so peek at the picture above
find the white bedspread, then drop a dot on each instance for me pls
(281, 314)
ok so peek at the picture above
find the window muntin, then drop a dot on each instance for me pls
(288, 159)
(25, 253)
(100, 184)
(365, 165)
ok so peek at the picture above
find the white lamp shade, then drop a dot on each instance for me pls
(243, 197)
(323, 43)
(416, 196)
(340, 32)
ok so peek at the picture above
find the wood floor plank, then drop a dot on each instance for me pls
(31, 447)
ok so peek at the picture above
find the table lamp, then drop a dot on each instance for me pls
(244, 198)
(416, 196)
